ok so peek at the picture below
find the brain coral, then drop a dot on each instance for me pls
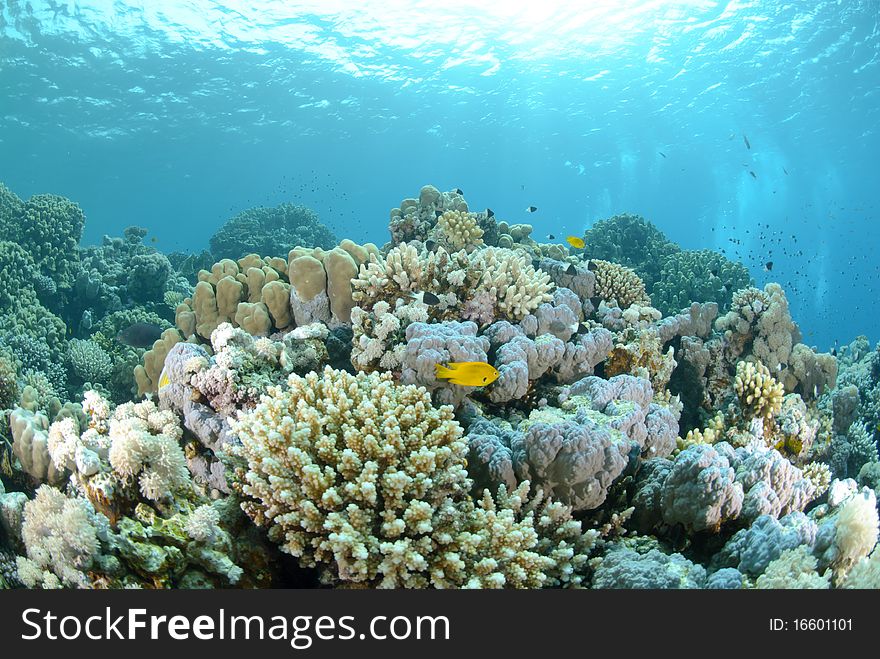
(273, 231)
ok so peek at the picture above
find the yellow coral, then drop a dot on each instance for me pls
(619, 283)
(819, 474)
(460, 230)
(256, 290)
(147, 375)
(759, 394)
(713, 432)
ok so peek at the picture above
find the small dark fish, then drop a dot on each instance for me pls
(583, 327)
(550, 236)
(571, 269)
(785, 170)
(592, 267)
(662, 154)
(438, 213)
(430, 299)
(430, 245)
(768, 266)
(490, 213)
(746, 140)
(139, 335)
(458, 191)
(834, 352)
(753, 174)
(531, 209)
(154, 239)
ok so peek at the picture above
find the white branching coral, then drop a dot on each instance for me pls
(366, 479)
(63, 537)
(380, 335)
(500, 282)
(144, 443)
(509, 276)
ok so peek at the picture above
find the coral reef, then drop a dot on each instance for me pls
(283, 422)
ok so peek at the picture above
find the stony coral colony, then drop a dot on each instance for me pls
(656, 421)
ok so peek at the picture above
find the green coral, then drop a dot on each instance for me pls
(697, 276)
(51, 227)
(17, 275)
(9, 391)
(630, 240)
(271, 231)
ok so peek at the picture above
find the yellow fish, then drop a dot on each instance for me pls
(164, 380)
(574, 241)
(467, 374)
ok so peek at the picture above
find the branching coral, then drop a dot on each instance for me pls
(459, 230)
(350, 472)
(366, 479)
(618, 283)
(503, 280)
(760, 395)
(380, 334)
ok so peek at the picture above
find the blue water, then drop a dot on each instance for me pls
(176, 115)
